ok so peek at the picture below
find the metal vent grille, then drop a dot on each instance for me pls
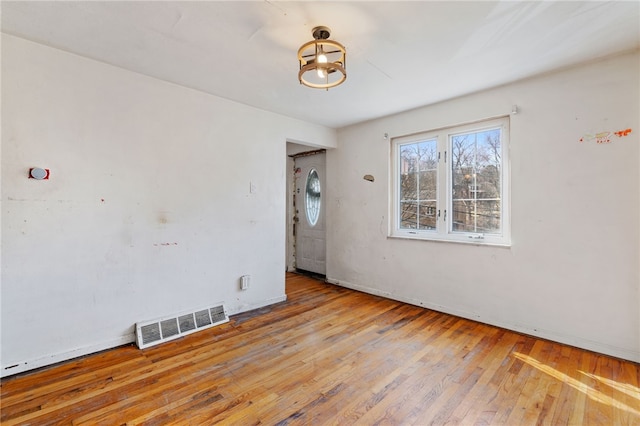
(171, 327)
(150, 333)
(202, 318)
(187, 323)
(217, 314)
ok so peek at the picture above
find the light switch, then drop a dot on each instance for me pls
(244, 282)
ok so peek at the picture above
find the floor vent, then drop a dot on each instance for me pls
(150, 333)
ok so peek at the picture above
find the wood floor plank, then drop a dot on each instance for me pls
(330, 355)
(476, 405)
(570, 361)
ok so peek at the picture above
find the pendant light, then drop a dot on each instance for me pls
(322, 61)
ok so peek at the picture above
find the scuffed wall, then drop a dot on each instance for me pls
(572, 273)
(159, 199)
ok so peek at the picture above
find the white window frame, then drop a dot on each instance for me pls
(444, 224)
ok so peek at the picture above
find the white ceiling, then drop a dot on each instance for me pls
(400, 55)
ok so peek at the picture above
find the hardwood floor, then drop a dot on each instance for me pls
(330, 355)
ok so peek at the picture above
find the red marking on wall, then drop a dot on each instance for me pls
(622, 133)
(604, 137)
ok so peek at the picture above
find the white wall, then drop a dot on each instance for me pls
(148, 209)
(572, 273)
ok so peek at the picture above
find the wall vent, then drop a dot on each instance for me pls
(150, 333)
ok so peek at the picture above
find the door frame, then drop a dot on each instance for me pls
(294, 150)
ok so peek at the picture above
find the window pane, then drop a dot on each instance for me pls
(427, 185)
(488, 148)
(463, 218)
(476, 174)
(408, 215)
(462, 151)
(480, 216)
(312, 197)
(488, 182)
(408, 158)
(427, 215)
(488, 216)
(418, 163)
(463, 178)
(428, 154)
(409, 186)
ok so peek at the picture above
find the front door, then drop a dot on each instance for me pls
(310, 201)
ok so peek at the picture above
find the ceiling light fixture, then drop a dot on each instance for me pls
(322, 61)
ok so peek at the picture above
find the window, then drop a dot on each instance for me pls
(452, 184)
(312, 197)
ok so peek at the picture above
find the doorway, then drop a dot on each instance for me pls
(307, 212)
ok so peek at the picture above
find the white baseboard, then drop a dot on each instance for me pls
(618, 352)
(257, 305)
(22, 366)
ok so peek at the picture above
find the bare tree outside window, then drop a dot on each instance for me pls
(418, 184)
(476, 192)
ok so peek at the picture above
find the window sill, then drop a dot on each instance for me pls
(455, 241)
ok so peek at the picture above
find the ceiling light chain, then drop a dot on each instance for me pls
(322, 61)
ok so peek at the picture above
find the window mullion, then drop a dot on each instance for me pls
(418, 194)
(442, 195)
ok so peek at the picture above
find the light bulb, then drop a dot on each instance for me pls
(322, 59)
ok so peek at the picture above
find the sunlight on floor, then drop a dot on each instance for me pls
(593, 394)
(625, 388)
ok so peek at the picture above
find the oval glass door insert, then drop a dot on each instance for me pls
(312, 197)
